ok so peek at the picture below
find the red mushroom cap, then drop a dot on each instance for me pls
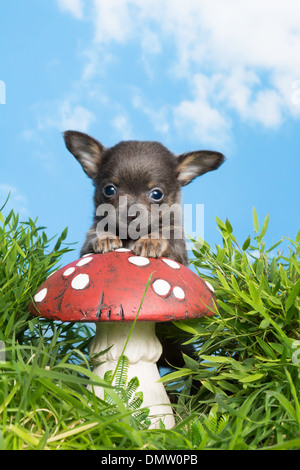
(109, 287)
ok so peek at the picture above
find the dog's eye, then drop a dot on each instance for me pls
(156, 194)
(109, 190)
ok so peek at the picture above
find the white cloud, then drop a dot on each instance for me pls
(198, 117)
(122, 124)
(207, 113)
(236, 89)
(63, 115)
(157, 117)
(60, 115)
(112, 21)
(75, 117)
(198, 120)
(267, 108)
(75, 7)
(246, 54)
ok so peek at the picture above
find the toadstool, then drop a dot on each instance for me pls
(107, 289)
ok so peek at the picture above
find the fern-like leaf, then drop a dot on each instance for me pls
(128, 393)
(121, 373)
(132, 387)
(137, 401)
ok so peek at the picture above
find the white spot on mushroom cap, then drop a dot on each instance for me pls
(139, 260)
(161, 287)
(179, 293)
(122, 250)
(68, 272)
(171, 263)
(80, 282)
(84, 261)
(210, 286)
(40, 295)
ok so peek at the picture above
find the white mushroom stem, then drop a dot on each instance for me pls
(143, 351)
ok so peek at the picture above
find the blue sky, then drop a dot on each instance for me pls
(193, 75)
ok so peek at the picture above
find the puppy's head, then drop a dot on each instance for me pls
(138, 173)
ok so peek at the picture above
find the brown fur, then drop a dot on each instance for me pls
(135, 168)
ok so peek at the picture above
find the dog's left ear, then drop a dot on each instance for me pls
(87, 150)
(193, 164)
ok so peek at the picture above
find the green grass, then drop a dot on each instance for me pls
(242, 391)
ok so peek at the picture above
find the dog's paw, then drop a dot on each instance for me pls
(151, 247)
(106, 243)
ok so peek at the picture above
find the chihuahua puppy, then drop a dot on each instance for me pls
(132, 179)
(137, 200)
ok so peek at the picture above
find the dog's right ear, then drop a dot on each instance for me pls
(87, 150)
